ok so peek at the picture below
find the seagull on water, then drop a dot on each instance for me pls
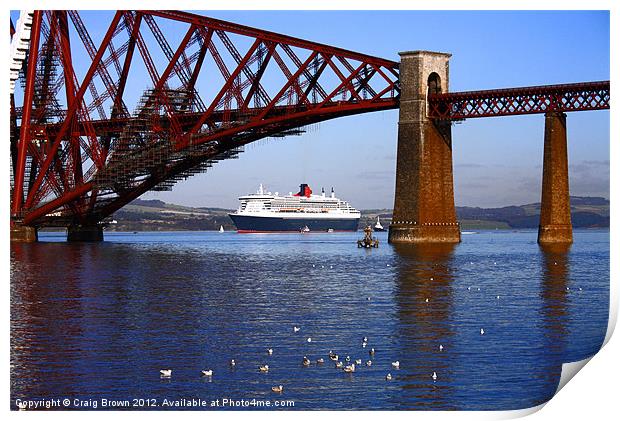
(207, 373)
(347, 358)
(349, 368)
(278, 389)
(166, 372)
(232, 362)
(396, 364)
(434, 376)
(440, 347)
(320, 361)
(270, 351)
(332, 356)
(309, 339)
(339, 364)
(481, 331)
(388, 377)
(296, 329)
(368, 363)
(364, 344)
(358, 361)
(306, 361)
(263, 368)
(372, 351)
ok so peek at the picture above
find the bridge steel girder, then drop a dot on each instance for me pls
(286, 78)
(516, 101)
(177, 128)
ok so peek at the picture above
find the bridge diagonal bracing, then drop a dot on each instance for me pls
(164, 95)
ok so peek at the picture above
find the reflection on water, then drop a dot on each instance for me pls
(424, 300)
(99, 321)
(554, 295)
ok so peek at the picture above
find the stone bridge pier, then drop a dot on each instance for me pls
(555, 221)
(424, 209)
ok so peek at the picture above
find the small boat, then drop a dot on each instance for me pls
(221, 228)
(305, 229)
(378, 226)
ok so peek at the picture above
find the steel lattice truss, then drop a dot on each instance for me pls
(514, 101)
(80, 150)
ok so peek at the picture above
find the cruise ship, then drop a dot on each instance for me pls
(300, 212)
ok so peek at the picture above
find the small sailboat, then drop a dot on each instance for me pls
(378, 226)
(221, 228)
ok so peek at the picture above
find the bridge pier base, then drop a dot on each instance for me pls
(555, 220)
(424, 209)
(23, 234)
(84, 233)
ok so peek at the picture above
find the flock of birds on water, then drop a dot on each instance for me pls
(345, 365)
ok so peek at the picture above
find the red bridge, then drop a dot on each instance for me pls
(78, 153)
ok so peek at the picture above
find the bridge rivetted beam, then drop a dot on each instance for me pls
(555, 221)
(424, 209)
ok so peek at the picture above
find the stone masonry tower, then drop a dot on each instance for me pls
(424, 201)
(555, 220)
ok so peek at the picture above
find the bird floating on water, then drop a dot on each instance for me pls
(432, 278)
(305, 361)
(364, 344)
(347, 358)
(396, 364)
(309, 339)
(270, 351)
(365, 339)
(372, 351)
(367, 298)
(339, 364)
(207, 373)
(320, 361)
(232, 363)
(332, 356)
(165, 372)
(426, 300)
(349, 368)
(263, 368)
(440, 347)
(481, 331)
(434, 376)
(296, 329)
(358, 361)
(388, 377)
(368, 363)
(278, 389)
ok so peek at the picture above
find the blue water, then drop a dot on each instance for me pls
(95, 321)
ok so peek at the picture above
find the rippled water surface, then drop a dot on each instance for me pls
(94, 321)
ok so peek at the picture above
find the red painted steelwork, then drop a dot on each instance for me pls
(219, 87)
(515, 101)
(266, 84)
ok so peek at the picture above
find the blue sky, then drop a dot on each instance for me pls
(497, 161)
